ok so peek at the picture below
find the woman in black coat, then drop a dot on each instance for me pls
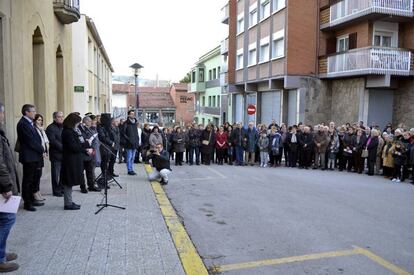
(372, 146)
(74, 149)
(207, 143)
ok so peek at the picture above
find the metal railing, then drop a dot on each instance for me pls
(75, 4)
(349, 9)
(372, 60)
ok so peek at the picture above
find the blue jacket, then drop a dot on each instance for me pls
(31, 149)
(251, 137)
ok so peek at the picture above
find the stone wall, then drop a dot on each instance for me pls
(404, 103)
(346, 99)
(318, 98)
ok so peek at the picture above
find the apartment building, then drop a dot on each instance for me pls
(36, 57)
(205, 84)
(92, 69)
(184, 103)
(366, 60)
(316, 61)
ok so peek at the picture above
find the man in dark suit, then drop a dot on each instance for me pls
(30, 154)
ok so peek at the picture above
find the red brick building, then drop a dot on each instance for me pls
(184, 103)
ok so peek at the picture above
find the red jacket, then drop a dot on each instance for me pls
(220, 139)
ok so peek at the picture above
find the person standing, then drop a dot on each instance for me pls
(130, 135)
(194, 136)
(74, 147)
(30, 155)
(250, 137)
(115, 136)
(207, 142)
(38, 122)
(238, 143)
(292, 140)
(320, 145)
(221, 145)
(156, 137)
(263, 145)
(54, 134)
(8, 186)
(359, 141)
(306, 144)
(372, 147)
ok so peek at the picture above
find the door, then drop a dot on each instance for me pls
(270, 108)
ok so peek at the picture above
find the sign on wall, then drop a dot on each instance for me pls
(79, 89)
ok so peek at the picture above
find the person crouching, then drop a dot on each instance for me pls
(161, 162)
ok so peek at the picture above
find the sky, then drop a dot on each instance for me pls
(167, 37)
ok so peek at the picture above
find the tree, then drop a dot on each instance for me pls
(186, 79)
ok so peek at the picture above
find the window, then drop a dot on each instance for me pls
(252, 56)
(218, 72)
(239, 61)
(342, 43)
(253, 15)
(201, 75)
(210, 74)
(278, 5)
(214, 102)
(383, 39)
(183, 99)
(214, 73)
(203, 101)
(264, 50)
(209, 101)
(218, 101)
(240, 24)
(193, 77)
(264, 9)
(278, 49)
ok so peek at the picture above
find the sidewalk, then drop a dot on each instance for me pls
(131, 241)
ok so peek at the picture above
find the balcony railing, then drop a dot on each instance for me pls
(67, 10)
(372, 60)
(224, 47)
(225, 14)
(210, 110)
(347, 10)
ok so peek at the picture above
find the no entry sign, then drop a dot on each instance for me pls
(251, 109)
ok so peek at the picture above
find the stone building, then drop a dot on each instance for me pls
(184, 103)
(92, 69)
(36, 56)
(316, 61)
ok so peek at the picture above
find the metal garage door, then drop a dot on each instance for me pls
(270, 108)
(293, 107)
(380, 107)
(238, 108)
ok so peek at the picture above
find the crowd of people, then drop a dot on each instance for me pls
(350, 147)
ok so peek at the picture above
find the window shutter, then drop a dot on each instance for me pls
(353, 41)
(331, 45)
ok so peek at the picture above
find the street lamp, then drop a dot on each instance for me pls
(136, 71)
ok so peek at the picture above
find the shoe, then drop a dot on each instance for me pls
(37, 203)
(132, 173)
(94, 189)
(397, 180)
(77, 205)
(38, 197)
(180, 164)
(29, 208)
(393, 180)
(264, 166)
(59, 195)
(71, 207)
(11, 257)
(8, 267)
(114, 175)
(84, 191)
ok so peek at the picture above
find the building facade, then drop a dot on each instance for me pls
(155, 103)
(205, 84)
(316, 61)
(184, 103)
(36, 57)
(92, 69)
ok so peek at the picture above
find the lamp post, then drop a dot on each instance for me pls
(136, 70)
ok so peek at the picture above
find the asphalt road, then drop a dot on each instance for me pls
(245, 214)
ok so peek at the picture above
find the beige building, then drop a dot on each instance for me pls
(92, 69)
(36, 56)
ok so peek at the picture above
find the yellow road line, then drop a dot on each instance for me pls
(280, 261)
(381, 261)
(190, 259)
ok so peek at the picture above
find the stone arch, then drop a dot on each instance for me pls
(39, 75)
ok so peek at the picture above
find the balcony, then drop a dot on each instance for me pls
(197, 87)
(215, 111)
(224, 47)
(367, 61)
(225, 14)
(348, 10)
(224, 79)
(67, 11)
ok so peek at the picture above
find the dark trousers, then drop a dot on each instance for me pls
(194, 150)
(187, 155)
(286, 150)
(105, 161)
(112, 160)
(293, 158)
(307, 158)
(55, 168)
(206, 157)
(272, 158)
(38, 176)
(90, 174)
(387, 171)
(239, 155)
(397, 172)
(349, 162)
(29, 181)
(179, 157)
(221, 153)
(371, 167)
(359, 162)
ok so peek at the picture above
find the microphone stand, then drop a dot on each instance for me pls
(104, 205)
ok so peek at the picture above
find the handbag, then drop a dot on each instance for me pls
(364, 153)
(205, 142)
